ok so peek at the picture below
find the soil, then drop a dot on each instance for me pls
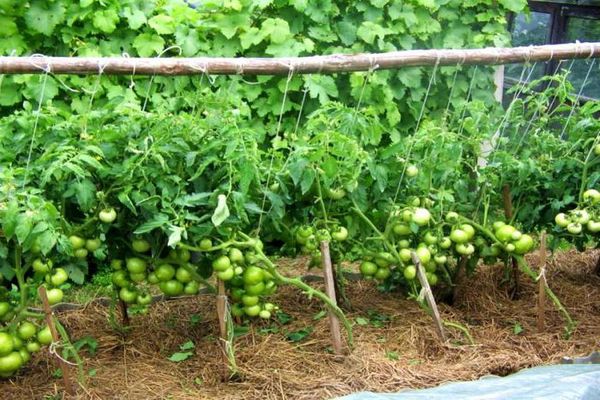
(395, 343)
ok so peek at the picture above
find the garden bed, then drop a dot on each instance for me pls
(396, 347)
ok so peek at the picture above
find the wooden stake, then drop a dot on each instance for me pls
(326, 64)
(124, 313)
(334, 322)
(542, 283)
(222, 315)
(56, 339)
(429, 297)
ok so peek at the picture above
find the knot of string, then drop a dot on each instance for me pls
(551, 54)
(131, 81)
(47, 69)
(592, 49)
(53, 349)
(372, 65)
(239, 67)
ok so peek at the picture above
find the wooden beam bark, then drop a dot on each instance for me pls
(326, 64)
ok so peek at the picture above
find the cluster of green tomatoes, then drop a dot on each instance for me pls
(18, 342)
(309, 238)
(584, 218)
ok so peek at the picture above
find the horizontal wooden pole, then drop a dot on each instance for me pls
(302, 65)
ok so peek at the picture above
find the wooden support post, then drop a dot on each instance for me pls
(429, 297)
(223, 336)
(124, 313)
(334, 322)
(542, 283)
(69, 389)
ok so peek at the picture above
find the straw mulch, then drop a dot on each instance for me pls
(399, 353)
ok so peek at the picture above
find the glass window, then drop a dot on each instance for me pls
(529, 30)
(584, 30)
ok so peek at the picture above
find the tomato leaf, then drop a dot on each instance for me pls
(180, 356)
(158, 221)
(221, 213)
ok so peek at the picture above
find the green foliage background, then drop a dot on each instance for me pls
(252, 28)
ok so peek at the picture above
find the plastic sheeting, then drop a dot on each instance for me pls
(564, 382)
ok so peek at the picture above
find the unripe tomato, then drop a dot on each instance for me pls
(524, 244)
(265, 314)
(407, 215)
(459, 236)
(465, 249)
(44, 337)
(510, 248)
(76, 242)
(59, 277)
(581, 216)
(597, 149)
(226, 275)
(423, 254)
(152, 278)
(54, 295)
(336, 194)
(120, 278)
(191, 288)
(236, 256)
(574, 228)
(445, 243)
(368, 268)
(171, 288)
(116, 264)
(183, 275)
(405, 255)
(143, 299)
(256, 289)
(4, 308)
(252, 311)
(561, 220)
(452, 216)
(40, 267)
(107, 215)
(137, 277)
(504, 234)
(516, 235)
(93, 244)
(410, 272)
(80, 253)
(382, 273)
(430, 238)
(249, 301)
(253, 275)
(237, 310)
(340, 235)
(221, 263)
(592, 196)
(431, 266)
(412, 171)
(129, 296)
(421, 216)
(32, 347)
(593, 226)
(440, 259)
(431, 278)
(11, 362)
(136, 265)
(6, 343)
(164, 272)
(403, 244)
(140, 245)
(26, 330)
(469, 230)
(205, 244)
(401, 229)
(183, 255)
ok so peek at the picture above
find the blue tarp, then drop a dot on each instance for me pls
(556, 382)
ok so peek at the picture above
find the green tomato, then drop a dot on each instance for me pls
(165, 272)
(205, 244)
(54, 295)
(59, 277)
(561, 220)
(581, 216)
(221, 263)
(430, 238)
(136, 265)
(403, 244)
(44, 337)
(424, 254)
(591, 196)
(264, 314)
(256, 289)
(452, 216)
(6, 343)
(226, 275)
(11, 362)
(407, 215)
(465, 249)
(80, 253)
(183, 275)
(574, 228)
(140, 245)
(237, 310)
(597, 149)
(40, 267)
(143, 299)
(93, 244)
(382, 273)
(171, 288)
(368, 268)
(440, 259)
(336, 194)
(236, 256)
(402, 229)
(120, 278)
(421, 216)
(498, 224)
(152, 278)
(107, 215)
(76, 242)
(445, 243)
(504, 234)
(137, 277)
(469, 230)
(183, 255)
(116, 264)
(32, 347)
(410, 272)
(129, 296)
(4, 308)
(253, 275)
(509, 248)
(405, 255)
(191, 288)
(593, 226)
(524, 244)
(252, 311)
(412, 171)
(26, 330)
(431, 278)
(459, 236)
(340, 235)
(249, 301)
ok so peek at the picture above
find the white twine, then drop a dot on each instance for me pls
(52, 349)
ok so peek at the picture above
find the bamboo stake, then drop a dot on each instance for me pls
(334, 322)
(542, 283)
(435, 314)
(56, 339)
(124, 313)
(326, 64)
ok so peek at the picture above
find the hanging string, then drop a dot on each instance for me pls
(281, 111)
(412, 143)
(154, 75)
(447, 111)
(562, 134)
(101, 67)
(47, 70)
(464, 109)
